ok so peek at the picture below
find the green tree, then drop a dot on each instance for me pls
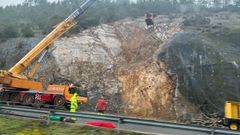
(10, 31)
(27, 31)
(42, 15)
(52, 22)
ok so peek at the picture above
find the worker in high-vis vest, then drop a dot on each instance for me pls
(74, 103)
(73, 106)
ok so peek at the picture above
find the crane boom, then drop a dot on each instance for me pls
(61, 28)
(13, 79)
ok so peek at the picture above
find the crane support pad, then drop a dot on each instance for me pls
(21, 83)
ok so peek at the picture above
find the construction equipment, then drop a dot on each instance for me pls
(232, 115)
(16, 87)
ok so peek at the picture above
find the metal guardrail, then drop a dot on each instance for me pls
(126, 120)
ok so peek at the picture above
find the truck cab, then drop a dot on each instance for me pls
(66, 93)
(82, 95)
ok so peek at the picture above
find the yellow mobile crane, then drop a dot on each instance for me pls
(14, 86)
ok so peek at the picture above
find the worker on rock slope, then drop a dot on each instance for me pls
(149, 20)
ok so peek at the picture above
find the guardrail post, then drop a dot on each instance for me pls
(212, 132)
(118, 125)
(120, 121)
(51, 112)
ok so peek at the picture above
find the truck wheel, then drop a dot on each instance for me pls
(5, 97)
(233, 126)
(59, 101)
(15, 97)
(28, 99)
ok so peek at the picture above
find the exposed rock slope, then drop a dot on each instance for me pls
(119, 61)
(156, 74)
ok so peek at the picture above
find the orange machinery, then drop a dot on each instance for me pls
(232, 115)
(15, 86)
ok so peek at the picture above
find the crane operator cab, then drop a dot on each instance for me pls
(79, 91)
(71, 90)
(81, 95)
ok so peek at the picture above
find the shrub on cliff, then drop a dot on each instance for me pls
(196, 20)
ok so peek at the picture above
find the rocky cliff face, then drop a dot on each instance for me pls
(169, 73)
(119, 61)
(205, 58)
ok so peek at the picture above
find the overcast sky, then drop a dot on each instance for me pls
(4, 3)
